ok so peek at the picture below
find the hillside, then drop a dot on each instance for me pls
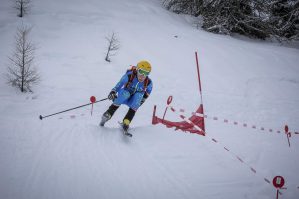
(70, 156)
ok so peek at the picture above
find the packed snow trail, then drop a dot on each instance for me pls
(75, 158)
(87, 161)
(70, 156)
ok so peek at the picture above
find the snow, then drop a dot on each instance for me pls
(70, 156)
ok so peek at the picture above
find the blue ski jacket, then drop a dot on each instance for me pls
(132, 92)
(135, 85)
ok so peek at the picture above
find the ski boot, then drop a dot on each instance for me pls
(125, 127)
(106, 116)
(126, 123)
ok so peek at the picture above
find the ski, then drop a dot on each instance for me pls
(124, 131)
(127, 133)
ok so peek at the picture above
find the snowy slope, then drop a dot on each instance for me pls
(70, 156)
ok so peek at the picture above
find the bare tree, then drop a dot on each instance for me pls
(22, 6)
(21, 73)
(113, 45)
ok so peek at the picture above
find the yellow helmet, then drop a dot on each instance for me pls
(144, 65)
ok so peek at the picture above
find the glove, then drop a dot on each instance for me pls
(112, 95)
(142, 101)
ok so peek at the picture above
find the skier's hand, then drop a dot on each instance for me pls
(142, 101)
(112, 95)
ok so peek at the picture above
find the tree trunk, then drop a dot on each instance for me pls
(23, 61)
(21, 9)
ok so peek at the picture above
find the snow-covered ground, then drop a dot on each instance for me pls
(70, 156)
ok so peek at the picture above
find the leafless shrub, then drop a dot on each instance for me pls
(113, 45)
(22, 6)
(21, 73)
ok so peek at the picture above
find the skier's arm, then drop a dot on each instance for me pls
(121, 82)
(147, 92)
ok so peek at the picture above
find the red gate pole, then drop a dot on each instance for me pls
(199, 84)
(278, 182)
(288, 134)
(198, 75)
(169, 100)
(92, 100)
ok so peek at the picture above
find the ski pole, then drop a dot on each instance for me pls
(42, 117)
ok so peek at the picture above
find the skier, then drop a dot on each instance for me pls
(133, 89)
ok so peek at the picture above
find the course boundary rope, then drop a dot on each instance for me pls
(216, 141)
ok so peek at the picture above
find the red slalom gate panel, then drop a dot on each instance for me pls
(194, 124)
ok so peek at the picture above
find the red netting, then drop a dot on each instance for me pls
(183, 125)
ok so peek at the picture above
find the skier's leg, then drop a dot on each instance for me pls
(122, 97)
(135, 101)
(134, 104)
(111, 110)
(128, 118)
(108, 114)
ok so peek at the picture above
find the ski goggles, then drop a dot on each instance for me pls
(143, 72)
